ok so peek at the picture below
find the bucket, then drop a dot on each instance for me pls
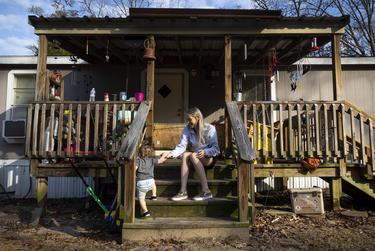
(139, 96)
(237, 96)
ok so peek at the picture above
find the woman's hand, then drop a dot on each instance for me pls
(200, 154)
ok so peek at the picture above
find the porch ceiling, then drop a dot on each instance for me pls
(190, 36)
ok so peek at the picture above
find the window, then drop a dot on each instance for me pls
(21, 92)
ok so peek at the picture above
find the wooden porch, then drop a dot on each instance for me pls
(260, 139)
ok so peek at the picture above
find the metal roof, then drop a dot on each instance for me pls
(189, 35)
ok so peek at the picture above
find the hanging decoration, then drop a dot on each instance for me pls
(244, 51)
(314, 44)
(107, 53)
(272, 66)
(87, 46)
(149, 45)
(295, 75)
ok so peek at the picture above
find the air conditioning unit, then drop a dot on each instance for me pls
(14, 131)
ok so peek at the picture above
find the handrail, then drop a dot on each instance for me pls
(129, 145)
(60, 129)
(245, 150)
(244, 164)
(295, 130)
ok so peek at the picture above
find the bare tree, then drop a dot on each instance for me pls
(359, 38)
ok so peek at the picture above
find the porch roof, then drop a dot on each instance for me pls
(190, 35)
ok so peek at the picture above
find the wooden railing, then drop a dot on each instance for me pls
(76, 128)
(128, 152)
(244, 158)
(297, 130)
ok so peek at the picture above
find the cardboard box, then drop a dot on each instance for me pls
(307, 201)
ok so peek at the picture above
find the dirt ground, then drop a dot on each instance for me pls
(68, 225)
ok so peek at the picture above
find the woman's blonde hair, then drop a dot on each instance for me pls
(196, 113)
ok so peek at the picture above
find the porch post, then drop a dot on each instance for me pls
(228, 87)
(150, 92)
(41, 92)
(41, 75)
(336, 184)
(336, 68)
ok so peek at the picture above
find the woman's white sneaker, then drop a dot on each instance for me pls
(180, 196)
(203, 196)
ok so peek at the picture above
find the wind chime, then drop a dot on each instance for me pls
(107, 52)
(298, 72)
(272, 66)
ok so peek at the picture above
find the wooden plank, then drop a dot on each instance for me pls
(228, 85)
(352, 133)
(290, 132)
(130, 143)
(296, 172)
(87, 129)
(51, 130)
(42, 150)
(245, 111)
(336, 192)
(59, 132)
(105, 128)
(243, 191)
(335, 136)
(273, 140)
(96, 128)
(35, 129)
(336, 71)
(308, 132)
(28, 130)
(69, 139)
(362, 139)
(245, 150)
(78, 129)
(264, 133)
(281, 132)
(129, 192)
(114, 121)
(342, 167)
(150, 97)
(301, 151)
(317, 130)
(326, 131)
(371, 168)
(41, 76)
(255, 131)
(252, 191)
(343, 130)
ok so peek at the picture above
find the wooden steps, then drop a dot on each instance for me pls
(219, 188)
(216, 217)
(356, 181)
(215, 207)
(184, 228)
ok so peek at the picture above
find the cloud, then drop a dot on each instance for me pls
(12, 22)
(16, 45)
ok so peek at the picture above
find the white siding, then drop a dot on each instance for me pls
(15, 177)
(265, 184)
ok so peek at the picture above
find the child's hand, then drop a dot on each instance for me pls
(162, 158)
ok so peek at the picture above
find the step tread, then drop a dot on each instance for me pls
(177, 163)
(185, 223)
(164, 201)
(195, 182)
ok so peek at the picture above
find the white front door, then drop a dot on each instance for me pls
(169, 97)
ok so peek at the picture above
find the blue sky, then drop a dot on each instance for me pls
(16, 33)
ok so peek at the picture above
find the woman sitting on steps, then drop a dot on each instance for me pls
(203, 147)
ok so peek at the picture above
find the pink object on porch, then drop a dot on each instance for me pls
(139, 96)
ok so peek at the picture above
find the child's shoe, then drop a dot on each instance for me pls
(153, 197)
